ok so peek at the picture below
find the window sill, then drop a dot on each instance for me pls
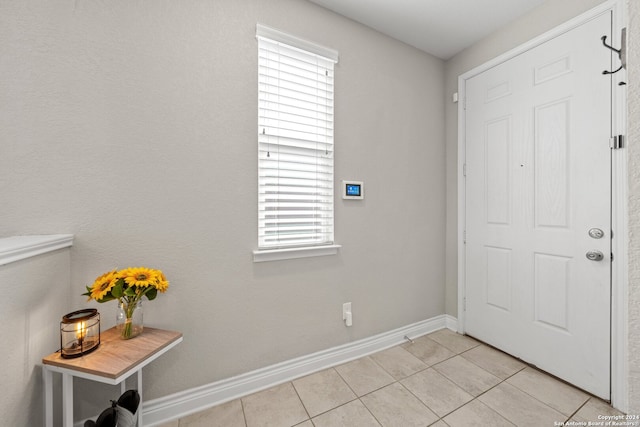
(292, 253)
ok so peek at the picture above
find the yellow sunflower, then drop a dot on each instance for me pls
(161, 284)
(102, 285)
(139, 276)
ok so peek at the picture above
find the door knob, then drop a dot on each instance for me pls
(596, 233)
(595, 256)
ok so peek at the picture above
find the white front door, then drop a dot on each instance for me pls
(538, 179)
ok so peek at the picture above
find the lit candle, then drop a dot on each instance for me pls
(81, 331)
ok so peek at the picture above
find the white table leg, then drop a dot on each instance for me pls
(47, 377)
(140, 393)
(67, 400)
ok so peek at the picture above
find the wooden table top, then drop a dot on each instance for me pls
(115, 356)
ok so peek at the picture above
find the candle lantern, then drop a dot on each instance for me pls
(79, 333)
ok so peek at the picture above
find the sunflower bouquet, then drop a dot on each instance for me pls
(128, 286)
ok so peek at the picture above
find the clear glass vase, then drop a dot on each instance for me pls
(129, 319)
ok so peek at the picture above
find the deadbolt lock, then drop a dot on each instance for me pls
(595, 256)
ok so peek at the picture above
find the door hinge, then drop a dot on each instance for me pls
(616, 142)
(464, 169)
(611, 256)
(464, 237)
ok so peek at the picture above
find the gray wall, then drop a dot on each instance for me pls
(35, 296)
(132, 125)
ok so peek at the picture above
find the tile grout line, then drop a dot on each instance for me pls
(335, 407)
(356, 394)
(398, 381)
(491, 388)
(589, 396)
(578, 410)
(395, 381)
(523, 391)
(244, 415)
(441, 418)
(301, 402)
(483, 369)
(453, 382)
(546, 374)
(528, 365)
(369, 410)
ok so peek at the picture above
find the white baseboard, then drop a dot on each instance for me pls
(187, 402)
(451, 323)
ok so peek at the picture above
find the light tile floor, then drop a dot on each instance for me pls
(441, 379)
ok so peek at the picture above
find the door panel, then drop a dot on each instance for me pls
(538, 178)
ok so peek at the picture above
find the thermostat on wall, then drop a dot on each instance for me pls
(353, 190)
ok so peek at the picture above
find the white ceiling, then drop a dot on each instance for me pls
(439, 27)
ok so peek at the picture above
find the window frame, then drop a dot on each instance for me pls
(286, 251)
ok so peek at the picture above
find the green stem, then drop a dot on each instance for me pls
(129, 305)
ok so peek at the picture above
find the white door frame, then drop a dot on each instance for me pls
(619, 292)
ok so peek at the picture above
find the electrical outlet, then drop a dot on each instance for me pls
(347, 314)
(346, 308)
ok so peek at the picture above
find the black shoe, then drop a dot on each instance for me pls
(108, 418)
(127, 406)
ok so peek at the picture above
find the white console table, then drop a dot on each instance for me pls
(112, 362)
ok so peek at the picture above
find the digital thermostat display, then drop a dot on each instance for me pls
(353, 190)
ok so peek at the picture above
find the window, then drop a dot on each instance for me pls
(295, 142)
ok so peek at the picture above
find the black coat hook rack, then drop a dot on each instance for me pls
(622, 53)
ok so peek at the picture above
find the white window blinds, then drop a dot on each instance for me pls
(295, 142)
